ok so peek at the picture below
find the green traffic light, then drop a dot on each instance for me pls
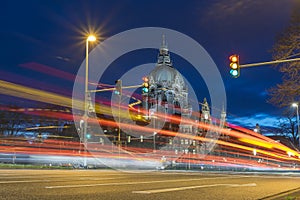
(234, 73)
(116, 92)
(145, 90)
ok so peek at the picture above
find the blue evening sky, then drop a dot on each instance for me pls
(50, 32)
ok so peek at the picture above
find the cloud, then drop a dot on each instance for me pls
(244, 16)
(263, 119)
(230, 8)
(63, 58)
(246, 9)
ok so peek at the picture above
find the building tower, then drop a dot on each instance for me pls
(205, 116)
(168, 92)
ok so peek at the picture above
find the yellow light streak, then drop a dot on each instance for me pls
(256, 143)
(20, 91)
(45, 127)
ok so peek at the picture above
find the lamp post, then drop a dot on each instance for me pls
(297, 110)
(151, 116)
(154, 147)
(90, 38)
(154, 133)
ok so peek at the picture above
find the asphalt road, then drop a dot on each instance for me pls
(109, 184)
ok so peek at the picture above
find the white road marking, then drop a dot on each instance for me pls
(132, 183)
(99, 179)
(31, 176)
(63, 180)
(16, 174)
(24, 181)
(192, 187)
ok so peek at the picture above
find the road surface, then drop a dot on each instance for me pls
(110, 184)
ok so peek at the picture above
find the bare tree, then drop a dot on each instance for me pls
(288, 46)
(287, 126)
(11, 121)
(15, 120)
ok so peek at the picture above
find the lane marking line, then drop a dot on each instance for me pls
(24, 181)
(55, 180)
(192, 187)
(132, 183)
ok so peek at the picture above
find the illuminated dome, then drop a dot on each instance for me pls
(168, 91)
(165, 75)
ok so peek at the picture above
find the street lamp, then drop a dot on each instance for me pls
(297, 110)
(90, 38)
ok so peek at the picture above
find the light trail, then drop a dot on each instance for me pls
(20, 91)
(45, 127)
(242, 142)
(170, 133)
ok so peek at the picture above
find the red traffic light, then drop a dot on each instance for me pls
(145, 79)
(233, 58)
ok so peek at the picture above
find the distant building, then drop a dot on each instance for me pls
(168, 94)
(257, 128)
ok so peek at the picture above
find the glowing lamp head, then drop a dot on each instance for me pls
(91, 38)
(295, 105)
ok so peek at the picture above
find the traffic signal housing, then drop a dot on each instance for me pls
(234, 65)
(118, 87)
(145, 85)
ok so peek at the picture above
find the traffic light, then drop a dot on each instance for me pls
(118, 87)
(145, 84)
(234, 65)
(88, 136)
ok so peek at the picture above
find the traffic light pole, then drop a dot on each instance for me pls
(119, 112)
(112, 89)
(119, 116)
(269, 63)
